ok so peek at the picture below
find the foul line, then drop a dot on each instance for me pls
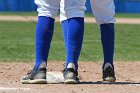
(12, 88)
(134, 85)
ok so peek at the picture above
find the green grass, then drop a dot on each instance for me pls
(17, 43)
(127, 15)
(19, 13)
(118, 15)
(127, 42)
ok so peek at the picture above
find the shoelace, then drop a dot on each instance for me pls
(29, 72)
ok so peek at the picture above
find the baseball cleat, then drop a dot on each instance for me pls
(108, 73)
(36, 76)
(70, 75)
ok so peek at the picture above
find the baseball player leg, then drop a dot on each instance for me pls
(107, 38)
(73, 36)
(44, 33)
(104, 12)
(72, 13)
(47, 10)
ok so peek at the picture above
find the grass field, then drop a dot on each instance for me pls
(120, 15)
(17, 43)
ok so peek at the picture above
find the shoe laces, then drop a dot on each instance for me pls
(29, 72)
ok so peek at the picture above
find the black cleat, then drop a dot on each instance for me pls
(36, 76)
(70, 76)
(108, 73)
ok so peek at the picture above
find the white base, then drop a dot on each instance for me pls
(55, 77)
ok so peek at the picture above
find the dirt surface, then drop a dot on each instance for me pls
(87, 19)
(90, 73)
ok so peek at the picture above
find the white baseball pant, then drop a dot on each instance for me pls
(68, 8)
(103, 11)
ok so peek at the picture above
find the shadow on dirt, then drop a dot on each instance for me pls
(114, 83)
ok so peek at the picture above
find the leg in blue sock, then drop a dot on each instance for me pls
(65, 31)
(107, 38)
(44, 33)
(73, 30)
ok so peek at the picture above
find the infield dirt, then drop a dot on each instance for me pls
(90, 74)
(87, 19)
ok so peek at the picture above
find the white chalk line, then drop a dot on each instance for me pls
(134, 85)
(13, 88)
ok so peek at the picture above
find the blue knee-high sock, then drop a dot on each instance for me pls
(65, 28)
(44, 33)
(107, 38)
(73, 30)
